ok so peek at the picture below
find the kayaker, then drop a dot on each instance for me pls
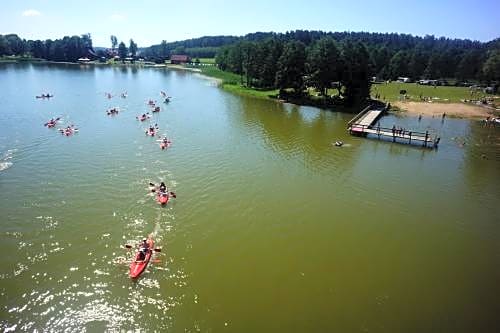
(143, 249)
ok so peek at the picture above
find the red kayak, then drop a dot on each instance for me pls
(164, 145)
(162, 198)
(138, 265)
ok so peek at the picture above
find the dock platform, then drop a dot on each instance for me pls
(363, 124)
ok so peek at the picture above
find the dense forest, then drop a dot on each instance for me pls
(348, 61)
(65, 49)
(342, 60)
(203, 47)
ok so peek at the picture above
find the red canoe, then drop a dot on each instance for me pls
(162, 198)
(138, 266)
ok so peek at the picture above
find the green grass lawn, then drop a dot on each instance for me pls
(207, 60)
(389, 92)
(232, 82)
(19, 58)
(226, 77)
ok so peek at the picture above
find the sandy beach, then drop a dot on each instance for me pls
(451, 109)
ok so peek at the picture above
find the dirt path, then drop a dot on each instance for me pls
(451, 109)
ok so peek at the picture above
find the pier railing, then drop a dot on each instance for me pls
(424, 137)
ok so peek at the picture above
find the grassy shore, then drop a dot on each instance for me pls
(231, 82)
(210, 61)
(389, 92)
(20, 59)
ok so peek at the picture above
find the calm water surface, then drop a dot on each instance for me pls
(273, 229)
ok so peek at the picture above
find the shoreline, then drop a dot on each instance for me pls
(413, 108)
(455, 110)
(44, 61)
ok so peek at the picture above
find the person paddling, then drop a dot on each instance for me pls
(162, 189)
(143, 249)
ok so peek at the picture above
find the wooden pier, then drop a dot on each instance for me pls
(363, 124)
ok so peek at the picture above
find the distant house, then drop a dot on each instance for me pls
(404, 79)
(179, 59)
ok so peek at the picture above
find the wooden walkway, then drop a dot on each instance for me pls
(370, 118)
(363, 124)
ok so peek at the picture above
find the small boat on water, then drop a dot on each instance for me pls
(162, 198)
(44, 96)
(141, 259)
(113, 111)
(143, 117)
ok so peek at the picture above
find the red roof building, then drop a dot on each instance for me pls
(179, 59)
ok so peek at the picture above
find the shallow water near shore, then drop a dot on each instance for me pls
(274, 229)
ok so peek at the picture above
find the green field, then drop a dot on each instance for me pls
(232, 82)
(207, 60)
(389, 92)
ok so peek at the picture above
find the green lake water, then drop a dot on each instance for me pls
(273, 229)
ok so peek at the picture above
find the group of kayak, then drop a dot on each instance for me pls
(145, 249)
(122, 95)
(68, 130)
(154, 107)
(153, 130)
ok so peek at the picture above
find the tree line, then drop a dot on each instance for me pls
(123, 51)
(291, 66)
(203, 47)
(348, 61)
(69, 48)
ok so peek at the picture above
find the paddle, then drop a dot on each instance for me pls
(128, 246)
(172, 194)
(57, 119)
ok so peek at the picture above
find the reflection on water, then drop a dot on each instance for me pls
(274, 228)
